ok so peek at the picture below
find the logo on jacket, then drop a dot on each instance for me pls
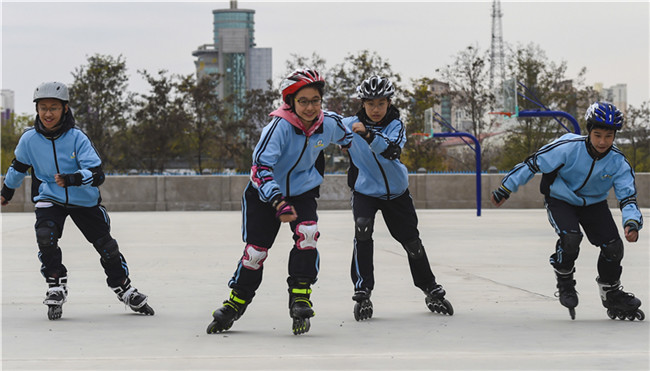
(319, 143)
(73, 155)
(606, 176)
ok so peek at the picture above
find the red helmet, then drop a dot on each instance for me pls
(299, 79)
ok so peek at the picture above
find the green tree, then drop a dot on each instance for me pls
(101, 102)
(12, 129)
(203, 108)
(469, 88)
(160, 123)
(634, 138)
(545, 83)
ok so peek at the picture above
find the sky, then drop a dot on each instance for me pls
(47, 41)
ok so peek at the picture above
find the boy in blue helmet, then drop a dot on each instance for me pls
(66, 175)
(379, 181)
(578, 172)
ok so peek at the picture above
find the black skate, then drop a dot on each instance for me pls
(135, 300)
(224, 317)
(300, 309)
(363, 307)
(620, 304)
(54, 299)
(436, 302)
(566, 292)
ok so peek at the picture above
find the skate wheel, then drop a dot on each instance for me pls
(442, 306)
(54, 312)
(300, 325)
(611, 314)
(147, 310)
(363, 310)
(621, 316)
(639, 315)
(572, 313)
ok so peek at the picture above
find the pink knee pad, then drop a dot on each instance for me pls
(307, 235)
(254, 257)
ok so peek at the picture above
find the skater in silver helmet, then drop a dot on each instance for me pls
(578, 173)
(66, 174)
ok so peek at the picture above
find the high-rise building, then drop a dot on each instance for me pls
(233, 54)
(616, 94)
(7, 107)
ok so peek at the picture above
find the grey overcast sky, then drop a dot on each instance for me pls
(47, 41)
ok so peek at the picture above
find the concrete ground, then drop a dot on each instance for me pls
(494, 267)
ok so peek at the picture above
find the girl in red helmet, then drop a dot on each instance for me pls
(286, 173)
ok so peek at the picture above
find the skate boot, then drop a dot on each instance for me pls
(300, 308)
(224, 317)
(55, 297)
(566, 291)
(435, 300)
(363, 307)
(135, 300)
(620, 304)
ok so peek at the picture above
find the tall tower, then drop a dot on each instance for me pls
(233, 53)
(497, 57)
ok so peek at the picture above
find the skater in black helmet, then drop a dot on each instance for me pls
(66, 175)
(578, 172)
(379, 181)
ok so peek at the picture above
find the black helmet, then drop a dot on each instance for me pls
(604, 115)
(375, 87)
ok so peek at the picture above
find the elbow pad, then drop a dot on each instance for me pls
(392, 152)
(19, 166)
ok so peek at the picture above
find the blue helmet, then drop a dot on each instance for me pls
(604, 115)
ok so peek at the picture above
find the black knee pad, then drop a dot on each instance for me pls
(47, 235)
(566, 250)
(107, 248)
(414, 248)
(612, 252)
(363, 228)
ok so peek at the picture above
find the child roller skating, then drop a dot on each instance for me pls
(66, 174)
(285, 179)
(620, 304)
(379, 181)
(578, 173)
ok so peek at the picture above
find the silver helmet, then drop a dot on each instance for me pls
(53, 89)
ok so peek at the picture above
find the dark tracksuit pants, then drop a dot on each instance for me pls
(402, 222)
(260, 228)
(599, 226)
(94, 224)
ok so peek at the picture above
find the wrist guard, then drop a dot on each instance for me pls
(285, 209)
(501, 193)
(633, 224)
(73, 179)
(7, 193)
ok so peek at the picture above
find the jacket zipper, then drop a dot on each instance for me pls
(58, 171)
(304, 147)
(593, 163)
(383, 174)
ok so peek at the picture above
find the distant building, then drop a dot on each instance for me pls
(7, 107)
(233, 53)
(616, 94)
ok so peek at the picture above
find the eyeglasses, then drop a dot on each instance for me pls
(50, 109)
(306, 102)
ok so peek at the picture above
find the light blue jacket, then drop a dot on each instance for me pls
(284, 159)
(71, 152)
(581, 179)
(371, 173)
